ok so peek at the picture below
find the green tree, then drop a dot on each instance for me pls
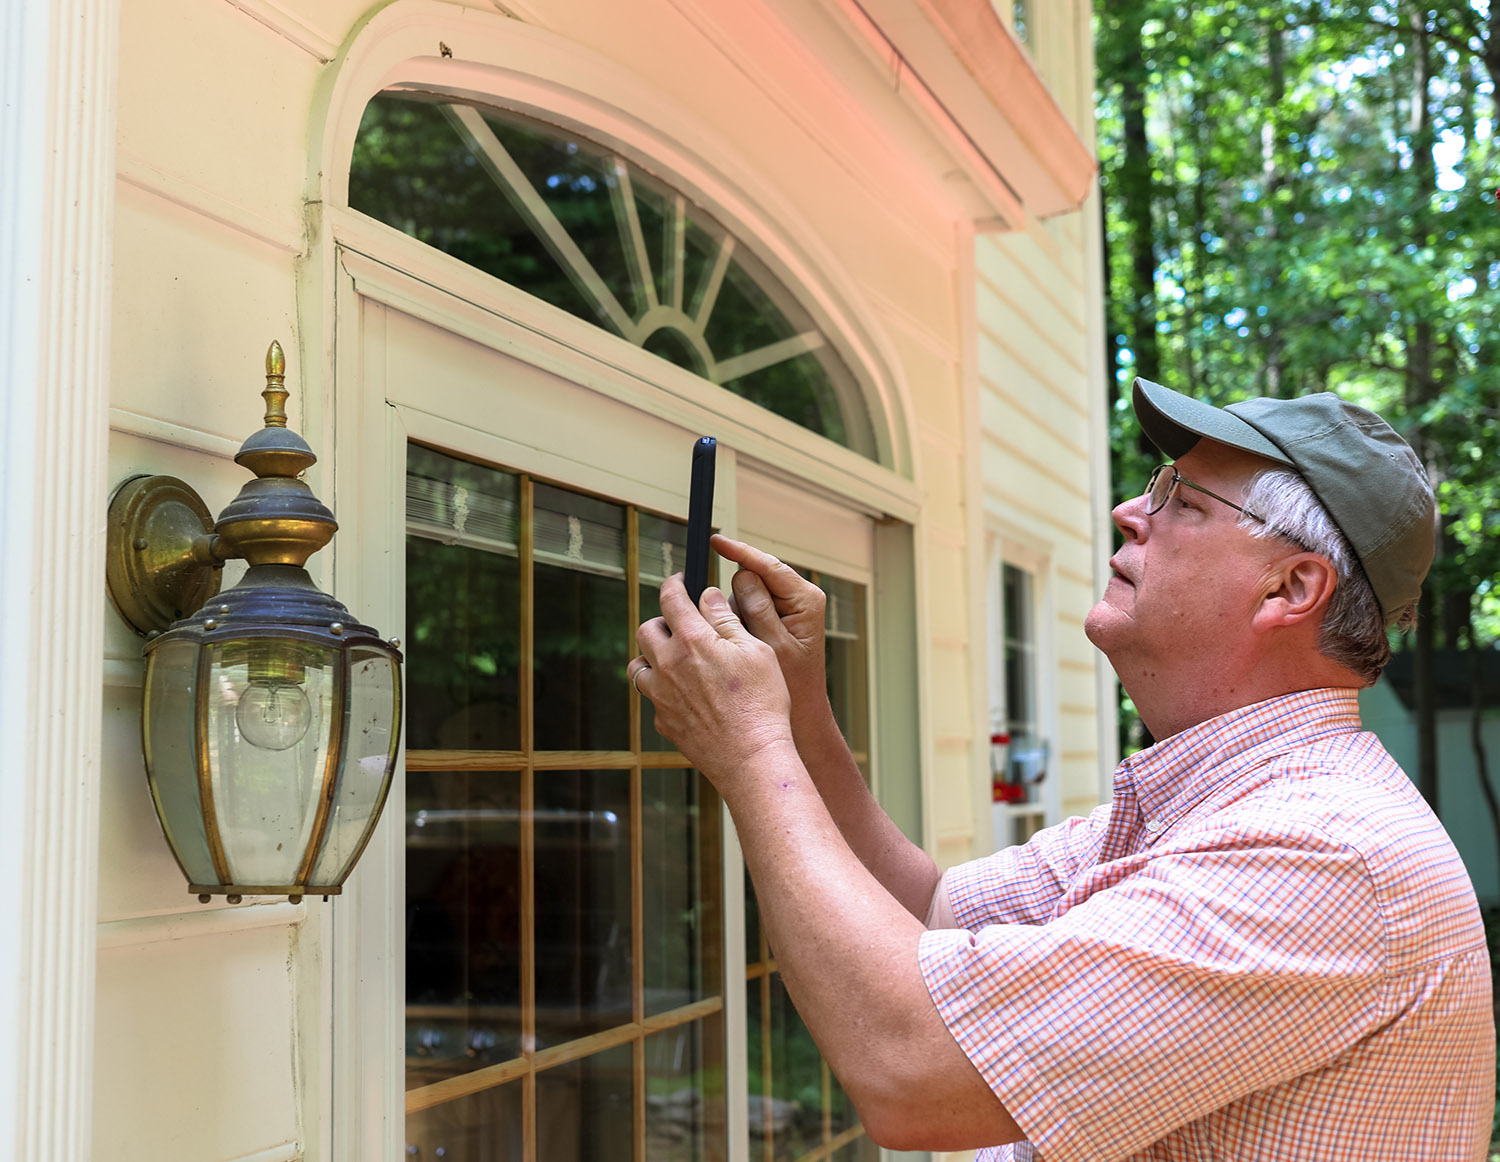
(1297, 199)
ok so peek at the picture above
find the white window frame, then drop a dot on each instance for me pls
(1014, 549)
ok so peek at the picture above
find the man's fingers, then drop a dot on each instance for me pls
(678, 613)
(757, 609)
(651, 636)
(783, 582)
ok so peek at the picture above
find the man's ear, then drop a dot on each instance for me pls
(1297, 588)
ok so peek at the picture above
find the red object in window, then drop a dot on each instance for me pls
(999, 740)
(1009, 793)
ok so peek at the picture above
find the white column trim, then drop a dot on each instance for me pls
(57, 119)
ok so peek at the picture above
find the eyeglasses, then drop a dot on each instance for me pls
(1164, 481)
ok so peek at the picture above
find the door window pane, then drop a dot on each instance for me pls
(583, 627)
(585, 1110)
(685, 1106)
(583, 932)
(563, 881)
(482, 1127)
(680, 813)
(463, 922)
(463, 605)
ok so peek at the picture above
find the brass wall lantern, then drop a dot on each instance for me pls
(271, 716)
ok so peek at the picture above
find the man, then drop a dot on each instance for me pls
(1264, 948)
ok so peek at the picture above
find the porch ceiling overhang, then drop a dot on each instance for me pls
(961, 71)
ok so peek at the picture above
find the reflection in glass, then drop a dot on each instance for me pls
(797, 1071)
(786, 1075)
(581, 227)
(859, 1150)
(582, 622)
(685, 1093)
(168, 720)
(463, 605)
(374, 684)
(845, 654)
(752, 922)
(663, 551)
(463, 922)
(584, 1109)
(583, 936)
(682, 926)
(483, 1127)
(412, 171)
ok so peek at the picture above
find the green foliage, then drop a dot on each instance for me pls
(1298, 198)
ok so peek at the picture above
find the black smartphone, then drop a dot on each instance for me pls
(700, 514)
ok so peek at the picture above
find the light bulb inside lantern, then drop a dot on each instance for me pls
(273, 714)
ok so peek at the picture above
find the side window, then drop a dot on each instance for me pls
(798, 1111)
(564, 983)
(1018, 747)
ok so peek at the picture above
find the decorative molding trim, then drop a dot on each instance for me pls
(190, 196)
(57, 118)
(499, 317)
(963, 70)
(287, 26)
(138, 931)
(165, 432)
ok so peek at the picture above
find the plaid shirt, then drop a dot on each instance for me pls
(1265, 948)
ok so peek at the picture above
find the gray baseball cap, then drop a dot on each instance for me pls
(1367, 477)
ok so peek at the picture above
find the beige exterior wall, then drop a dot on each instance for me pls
(218, 1028)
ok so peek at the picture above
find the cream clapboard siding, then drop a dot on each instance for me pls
(1036, 418)
(206, 1041)
(213, 1026)
(1043, 450)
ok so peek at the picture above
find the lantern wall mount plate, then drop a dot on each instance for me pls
(271, 716)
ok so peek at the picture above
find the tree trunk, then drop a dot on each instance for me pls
(1137, 188)
(1271, 182)
(1420, 388)
(1424, 687)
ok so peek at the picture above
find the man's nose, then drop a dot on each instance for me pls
(1131, 519)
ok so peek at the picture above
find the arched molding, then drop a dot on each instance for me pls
(502, 61)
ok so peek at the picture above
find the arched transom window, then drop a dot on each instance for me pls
(592, 232)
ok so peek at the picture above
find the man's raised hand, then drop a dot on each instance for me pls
(783, 609)
(718, 691)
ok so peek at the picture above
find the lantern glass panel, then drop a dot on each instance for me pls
(369, 751)
(167, 735)
(270, 708)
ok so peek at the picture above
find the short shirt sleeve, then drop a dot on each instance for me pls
(1167, 986)
(1023, 884)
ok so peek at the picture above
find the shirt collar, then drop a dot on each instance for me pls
(1171, 776)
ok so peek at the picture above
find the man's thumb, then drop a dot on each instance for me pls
(716, 611)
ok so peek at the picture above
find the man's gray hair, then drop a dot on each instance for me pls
(1353, 632)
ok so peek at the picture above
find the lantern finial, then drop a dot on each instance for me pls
(275, 392)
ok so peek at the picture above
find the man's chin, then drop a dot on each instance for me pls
(1104, 622)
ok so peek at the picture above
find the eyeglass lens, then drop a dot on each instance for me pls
(1159, 487)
